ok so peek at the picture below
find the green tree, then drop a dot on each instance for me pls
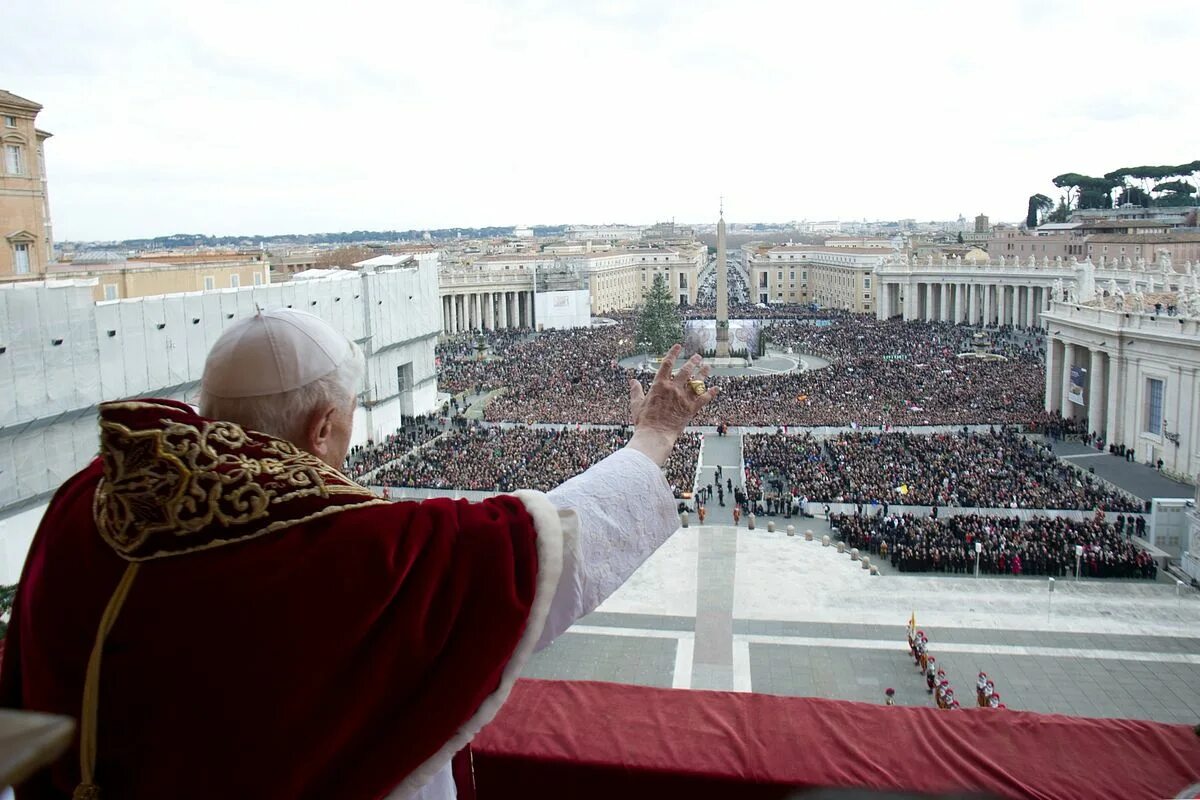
(1060, 212)
(1039, 204)
(659, 324)
(1089, 192)
(1174, 193)
(1134, 196)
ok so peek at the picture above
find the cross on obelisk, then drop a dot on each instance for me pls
(722, 289)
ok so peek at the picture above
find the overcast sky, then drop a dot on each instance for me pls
(247, 116)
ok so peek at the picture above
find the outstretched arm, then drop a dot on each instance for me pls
(616, 514)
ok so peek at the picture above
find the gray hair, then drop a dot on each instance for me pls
(280, 415)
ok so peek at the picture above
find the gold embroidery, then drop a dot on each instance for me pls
(181, 486)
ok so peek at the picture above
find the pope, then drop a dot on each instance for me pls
(228, 615)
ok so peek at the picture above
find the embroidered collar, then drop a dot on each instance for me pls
(174, 482)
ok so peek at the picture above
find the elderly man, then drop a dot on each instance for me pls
(229, 616)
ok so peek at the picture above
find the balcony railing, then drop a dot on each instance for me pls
(579, 739)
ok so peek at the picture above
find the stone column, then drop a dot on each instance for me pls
(1095, 396)
(987, 304)
(487, 312)
(532, 314)
(929, 302)
(501, 310)
(1068, 408)
(944, 289)
(445, 315)
(1027, 320)
(1112, 396)
(1001, 304)
(1053, 373)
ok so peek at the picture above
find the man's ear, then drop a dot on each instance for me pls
(318, 428)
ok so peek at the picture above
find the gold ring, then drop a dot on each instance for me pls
(698, 387)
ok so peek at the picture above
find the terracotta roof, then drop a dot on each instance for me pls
(798, 248)
(1145, 238)
(7, 98)
(1126, 223)
(495, 257)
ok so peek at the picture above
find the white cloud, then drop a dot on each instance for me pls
(270, 117)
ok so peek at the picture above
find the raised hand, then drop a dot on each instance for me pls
(661, 414)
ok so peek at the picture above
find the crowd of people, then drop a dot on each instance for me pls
(1042, 545)
(887, 373)
(364, 459)
(706, 292)
(470, 362)
(880, 373)
(504, 459)
(998, 469)
(1056, 427)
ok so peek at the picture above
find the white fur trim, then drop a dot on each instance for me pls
(550, 563)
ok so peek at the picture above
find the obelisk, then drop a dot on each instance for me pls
(722, 289)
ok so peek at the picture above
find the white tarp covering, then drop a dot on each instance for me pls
(65, 353)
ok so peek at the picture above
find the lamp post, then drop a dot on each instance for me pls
(978, 550)
(1049, 599)
(1078, 558)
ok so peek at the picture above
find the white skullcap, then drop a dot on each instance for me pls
(273, 352)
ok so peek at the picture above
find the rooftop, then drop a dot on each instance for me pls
(7, 98)
(384, 261)
(1177, 237)
(817, 248)
(1101, 224)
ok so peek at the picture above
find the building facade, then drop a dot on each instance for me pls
(1181, 246)
(835, 277)
(496, 292)
(1132, 371)
(147, 276)
(28, 245)
(1012, 291)
(1061, 242)
(604, 233)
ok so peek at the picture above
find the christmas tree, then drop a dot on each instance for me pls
(659, 325)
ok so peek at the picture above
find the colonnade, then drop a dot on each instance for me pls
(487, 311)
(965, 302)
(1094, 394)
